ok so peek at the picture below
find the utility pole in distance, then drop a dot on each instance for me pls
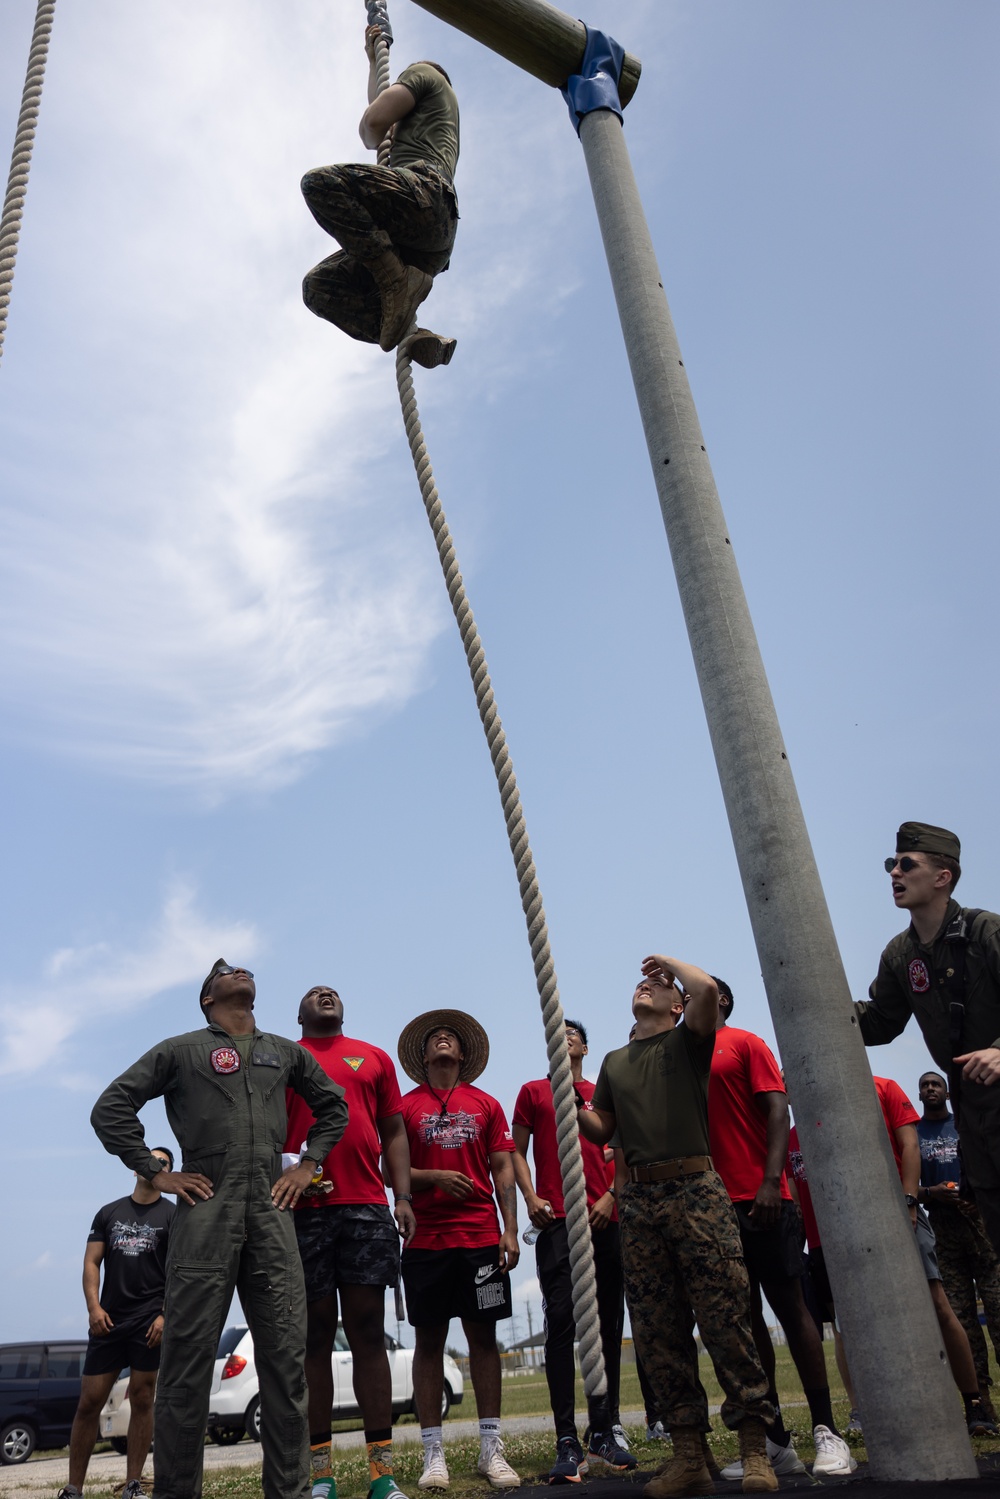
(881, 1292)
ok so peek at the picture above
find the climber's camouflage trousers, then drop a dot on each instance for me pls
(684, 1263)
(412, 210)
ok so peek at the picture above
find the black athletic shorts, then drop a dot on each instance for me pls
(772, 1255)
(347, 1244)
(445, 1283)
(816, 1266)
(123, 1348)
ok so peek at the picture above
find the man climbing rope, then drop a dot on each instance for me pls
(396, 223)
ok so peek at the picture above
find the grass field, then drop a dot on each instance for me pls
(531, 1453)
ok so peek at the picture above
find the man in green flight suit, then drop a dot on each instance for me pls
(945, 970)
(224, 1091)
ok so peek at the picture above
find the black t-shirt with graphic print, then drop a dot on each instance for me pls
(134, 1236)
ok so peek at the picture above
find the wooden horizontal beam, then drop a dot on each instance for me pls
(532, 34)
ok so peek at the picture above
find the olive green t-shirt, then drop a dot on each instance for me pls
(657, 1090)
(430, 131)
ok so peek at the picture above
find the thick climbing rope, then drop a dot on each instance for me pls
(24, 139)
(581, 1253)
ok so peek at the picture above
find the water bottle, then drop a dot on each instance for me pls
(531, 1234)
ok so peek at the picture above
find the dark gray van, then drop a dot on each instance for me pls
(39, 1392)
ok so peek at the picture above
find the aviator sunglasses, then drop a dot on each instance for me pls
(905, 863)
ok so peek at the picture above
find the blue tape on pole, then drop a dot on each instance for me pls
(378, 15)
(596, 84)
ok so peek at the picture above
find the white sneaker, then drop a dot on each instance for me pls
(435, 1474)
(833, 1456)
(784, 1461)
(656, 1432)
(494, 1466)
(618, 1432)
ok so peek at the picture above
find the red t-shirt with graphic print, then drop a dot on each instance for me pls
(742, 1065)
(351, 1172)
(455, 1131)
(534, 1110)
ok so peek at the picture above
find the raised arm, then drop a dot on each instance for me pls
(701, 1013)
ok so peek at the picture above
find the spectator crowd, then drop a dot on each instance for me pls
(698, 1199)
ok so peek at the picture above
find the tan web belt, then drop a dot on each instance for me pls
(663, 1171)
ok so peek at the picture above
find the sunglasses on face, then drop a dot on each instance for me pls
(227, 969)
(905, 864)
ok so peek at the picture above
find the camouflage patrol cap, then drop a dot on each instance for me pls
(924, 838)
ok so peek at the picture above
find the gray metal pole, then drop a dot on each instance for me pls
(912, 1414)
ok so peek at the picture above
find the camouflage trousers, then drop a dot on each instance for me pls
(684, 1263)
(368, 210)
(968, 1262)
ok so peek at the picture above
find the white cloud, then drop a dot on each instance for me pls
(208, 576)
(216, 561)
(97, 981)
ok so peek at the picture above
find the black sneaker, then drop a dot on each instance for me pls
(603, 1448)
(980, 1424)
(569, 1463)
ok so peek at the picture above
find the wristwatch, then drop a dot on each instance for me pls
(910, 1200)
(403, 1197)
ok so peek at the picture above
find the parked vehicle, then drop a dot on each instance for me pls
(234, 1409)
(39, 1393)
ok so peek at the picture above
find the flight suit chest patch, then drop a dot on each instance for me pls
(225, 1059)
(266, 1059)
(920, 979)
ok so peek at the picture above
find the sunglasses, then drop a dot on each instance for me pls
(228, 969)
(905, 863)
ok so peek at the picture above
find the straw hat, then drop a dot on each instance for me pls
(475, 1043)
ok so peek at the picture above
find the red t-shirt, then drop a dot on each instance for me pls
(351, 1172)
(742, 1065)
(535, 1111)
(460, 1139)
(797, 1168)
(896, 1111)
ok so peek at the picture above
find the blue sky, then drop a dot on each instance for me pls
(236, 715)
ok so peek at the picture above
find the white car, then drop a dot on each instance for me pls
(234, 1408)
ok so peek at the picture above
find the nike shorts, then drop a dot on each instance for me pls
(445, 1283)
